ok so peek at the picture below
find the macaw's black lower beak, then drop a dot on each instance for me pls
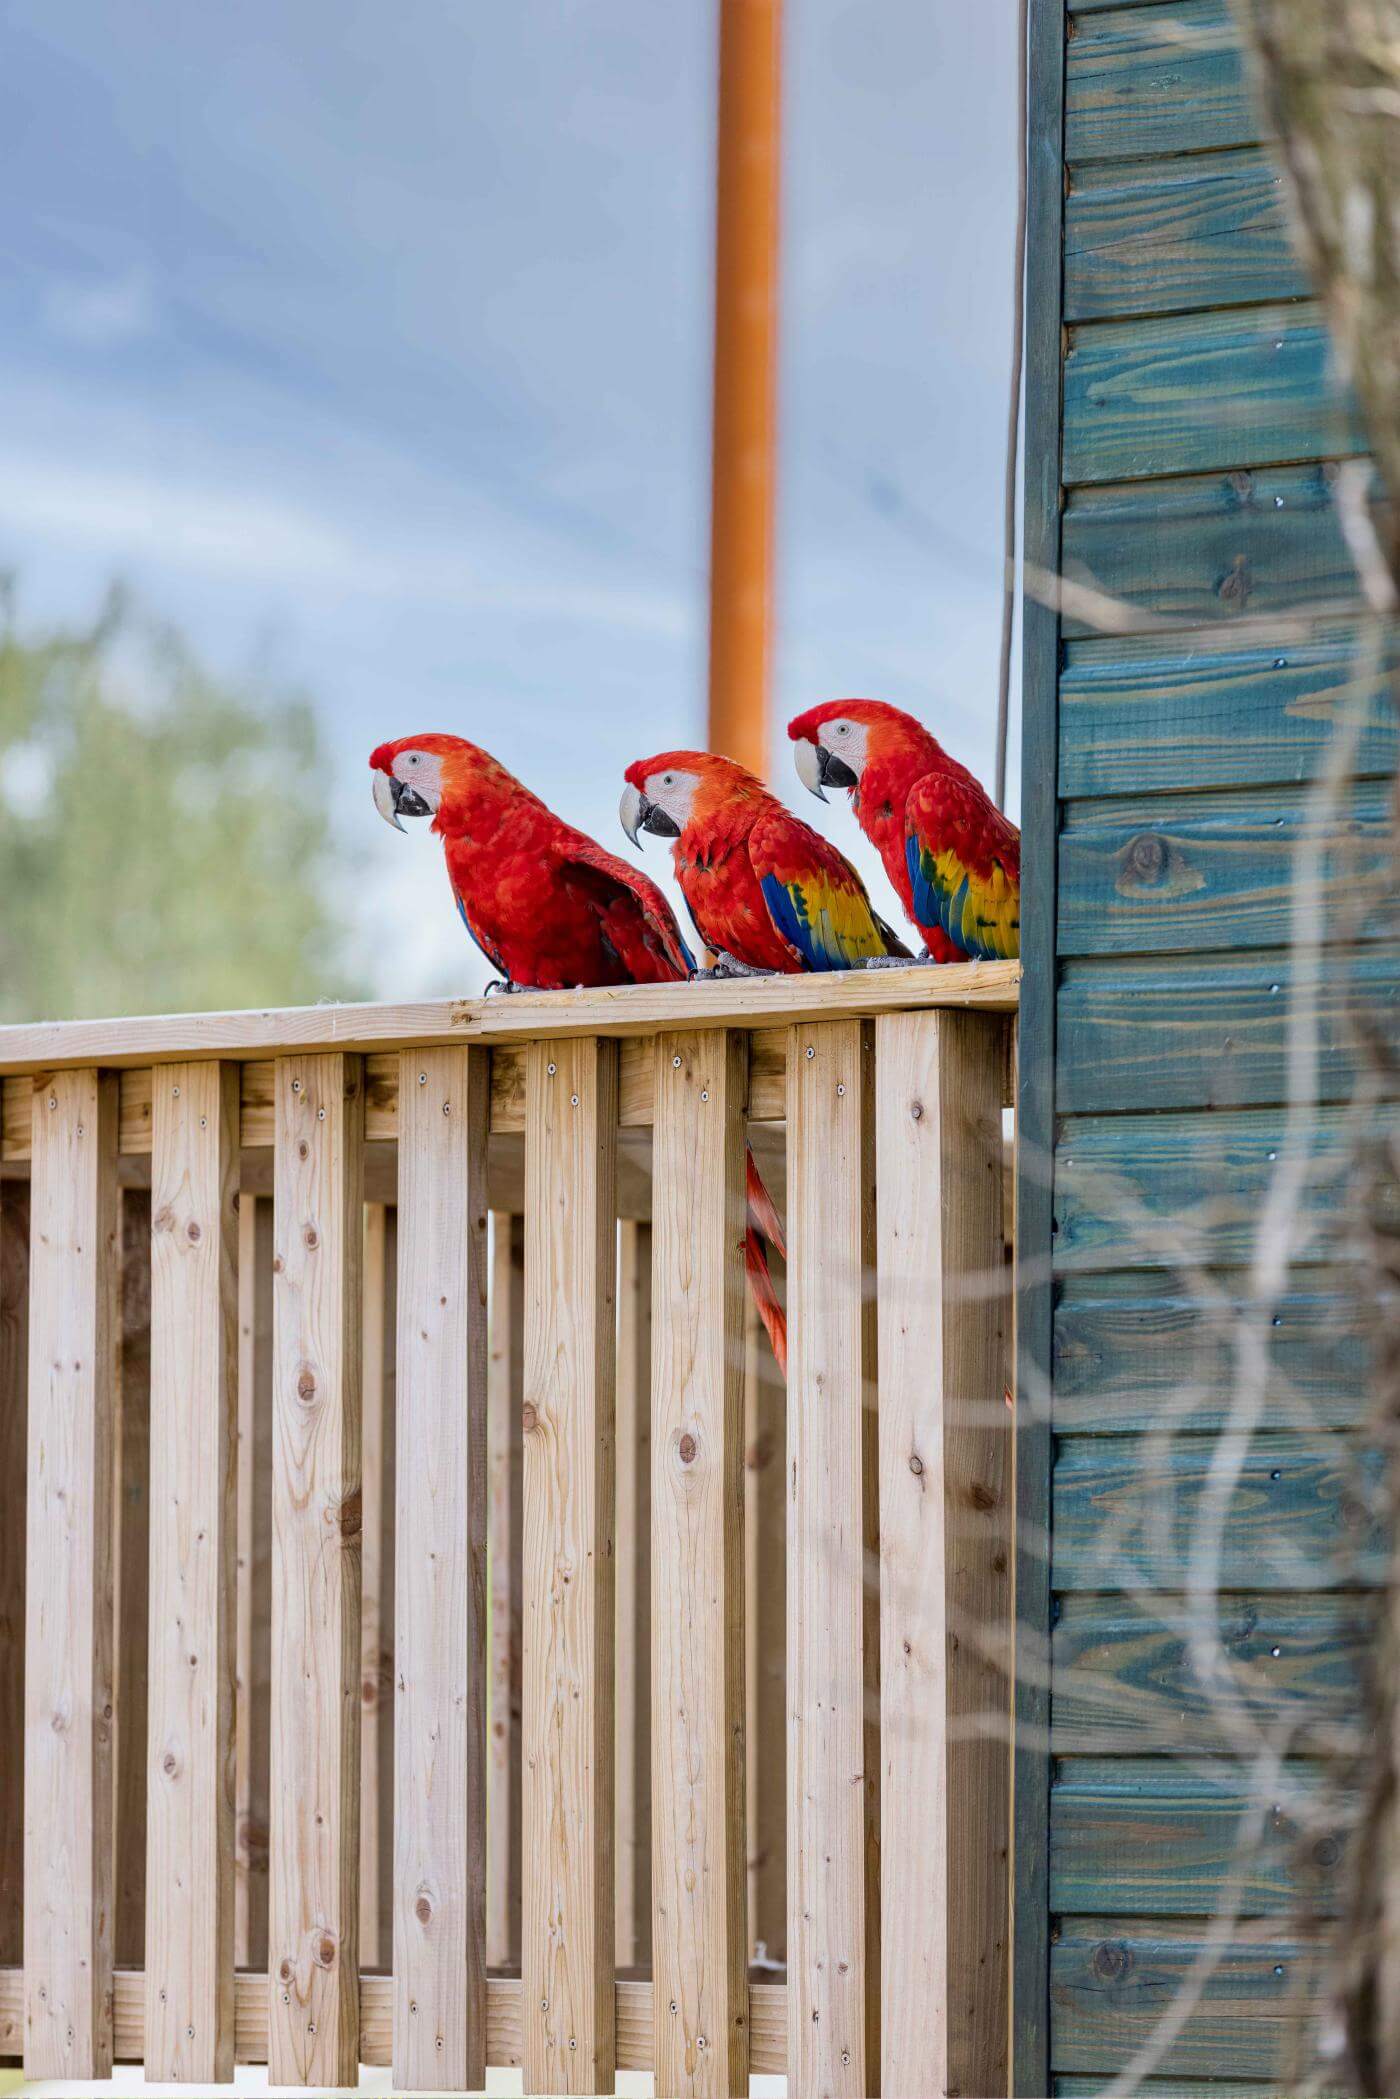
(393, 800)
(658, 822)
(833, 771)
(639, 813)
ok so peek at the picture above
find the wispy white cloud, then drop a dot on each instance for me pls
(98, 313)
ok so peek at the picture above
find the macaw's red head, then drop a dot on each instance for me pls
(836, 741)
(424, 775)
(676, 788)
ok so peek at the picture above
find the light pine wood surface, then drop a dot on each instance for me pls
(194, 1425)
(68, 1687)
(314, 1863)
(570, 1369)
(699, 1936)
(440, 1583)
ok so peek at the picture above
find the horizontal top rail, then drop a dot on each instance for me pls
(622, 1010)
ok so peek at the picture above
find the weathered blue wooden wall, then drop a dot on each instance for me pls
(1185, 424)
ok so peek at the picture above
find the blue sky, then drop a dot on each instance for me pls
(370, 344)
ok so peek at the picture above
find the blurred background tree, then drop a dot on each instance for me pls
(165, 836)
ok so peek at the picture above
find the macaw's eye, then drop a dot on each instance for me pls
(841, 728)
(413, 757)
(668, 779)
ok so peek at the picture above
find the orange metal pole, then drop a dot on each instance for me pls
(746, 334)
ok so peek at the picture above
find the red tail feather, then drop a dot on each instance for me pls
(765, 1229)
(765, 1296)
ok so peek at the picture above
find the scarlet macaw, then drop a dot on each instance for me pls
(951, 854)
(766, 891)
(552, 911)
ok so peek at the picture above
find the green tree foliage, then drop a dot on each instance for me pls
(165, 835)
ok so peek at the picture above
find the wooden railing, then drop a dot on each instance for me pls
(382, 1484)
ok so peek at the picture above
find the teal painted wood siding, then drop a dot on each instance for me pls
(1196, 448)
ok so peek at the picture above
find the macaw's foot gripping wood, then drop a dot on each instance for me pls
(314, 1893)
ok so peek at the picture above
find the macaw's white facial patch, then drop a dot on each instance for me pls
(422, 771)
(674, 791)
(846, 741)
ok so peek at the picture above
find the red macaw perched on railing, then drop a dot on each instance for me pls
(767, 892)
(552, 911)
(951, 854)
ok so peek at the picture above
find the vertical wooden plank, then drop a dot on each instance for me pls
(194, 1427)
(699, 1932)
(570, 1369)
(765, 1641)
(440, 1636)
(376, 1767)
(504, 1393)
(945, 1545)
(832, 1834)
(14, 1366)
(254, 1578)
(1035, 1099)
(131, 1561)
(68, 1775)
(314, 1896)
(632, 1789)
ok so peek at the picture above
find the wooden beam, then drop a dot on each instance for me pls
(254, 1580)
(833, 1623)
(314, 1896)
(945, 1549)
(570, 1365)
(504, 2020)
(68, 1771)
(615, 1010)
(744, 440)
(440, 1581)
(194, 1428)
(504, 1396)
(699, 1938)
(632, 1790)
(14, 1375)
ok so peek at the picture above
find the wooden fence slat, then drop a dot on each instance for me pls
(377, 1593)
(833, 1620)
(440, 1584)
(313, 1895)
(131, 1563)
(14, 1371)
(570, 1367)
(632, 1790)
(945, 1542)
(254, 1580)
(504, 1394)
(699, 1935)
(194, 1427)
(68, 1771)
(765, 1640)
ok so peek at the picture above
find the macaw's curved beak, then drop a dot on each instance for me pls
(829, 770)
(638, 814)
(808, 759)
(393, 800)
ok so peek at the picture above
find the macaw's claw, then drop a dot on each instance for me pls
(728, 967)
(899, 961)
